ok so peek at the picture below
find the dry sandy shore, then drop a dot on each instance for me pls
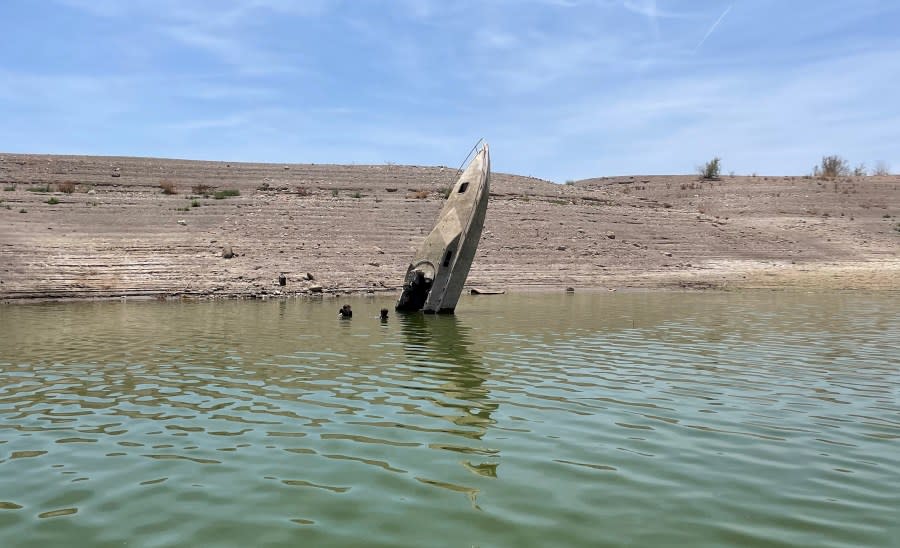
(354, 228)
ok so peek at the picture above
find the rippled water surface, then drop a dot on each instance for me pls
(756, 419)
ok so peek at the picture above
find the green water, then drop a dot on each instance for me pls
(648, 419)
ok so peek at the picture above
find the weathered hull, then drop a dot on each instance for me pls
(436, 276)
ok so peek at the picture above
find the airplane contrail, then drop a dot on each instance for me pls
(713, 27)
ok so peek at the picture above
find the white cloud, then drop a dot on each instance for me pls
(561, 88)
(650, 9)
(241, 54)
(757, 121)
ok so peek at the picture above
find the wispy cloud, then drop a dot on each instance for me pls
(646, 8)
(230, 50)
(782, 124)
(562, 88)
(649, 8)
(225, 30)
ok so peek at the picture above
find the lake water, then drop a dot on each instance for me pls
(645, 419)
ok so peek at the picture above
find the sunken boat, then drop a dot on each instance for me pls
(436, 276)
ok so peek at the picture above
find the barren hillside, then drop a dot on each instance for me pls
(73, 226)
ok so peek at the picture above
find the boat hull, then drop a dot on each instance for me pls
(436, 276)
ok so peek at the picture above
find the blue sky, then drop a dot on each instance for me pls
(562, 89)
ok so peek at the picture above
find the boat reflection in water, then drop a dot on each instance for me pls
(443, 360)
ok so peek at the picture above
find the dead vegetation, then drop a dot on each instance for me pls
(832, 167)
(202, 189)
(711, 169)
(168, 187)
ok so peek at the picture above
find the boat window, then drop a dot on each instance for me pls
(463, 187)
(447, 257)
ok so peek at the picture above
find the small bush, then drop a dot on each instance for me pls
(45, 188)
(334, 193)
(881, 169)
(195, 203)
(227, 193)
(168, 187)
(67, 187)
(22, 210)
(302, 191)
(10, 188)
(570, 182)
(201, 189)
(420, 194)
(445, 192)
(357, 194)
(53, 201)
(832, 167)
(711, 169)
(860, 170)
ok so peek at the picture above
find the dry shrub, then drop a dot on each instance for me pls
(832, 167)
(201, 189)
(420, 194)
(67, 187)
(711, 169)
(303, 191)
(168, 187)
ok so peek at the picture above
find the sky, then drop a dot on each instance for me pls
(561, 89)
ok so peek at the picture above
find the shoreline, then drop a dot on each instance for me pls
(88, 228)
(819, 278)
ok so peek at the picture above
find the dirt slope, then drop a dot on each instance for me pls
(354, 228)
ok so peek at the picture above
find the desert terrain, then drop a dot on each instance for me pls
(101, 227)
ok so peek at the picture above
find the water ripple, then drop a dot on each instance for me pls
(649, 419)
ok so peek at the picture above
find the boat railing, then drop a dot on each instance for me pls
(479, 144)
